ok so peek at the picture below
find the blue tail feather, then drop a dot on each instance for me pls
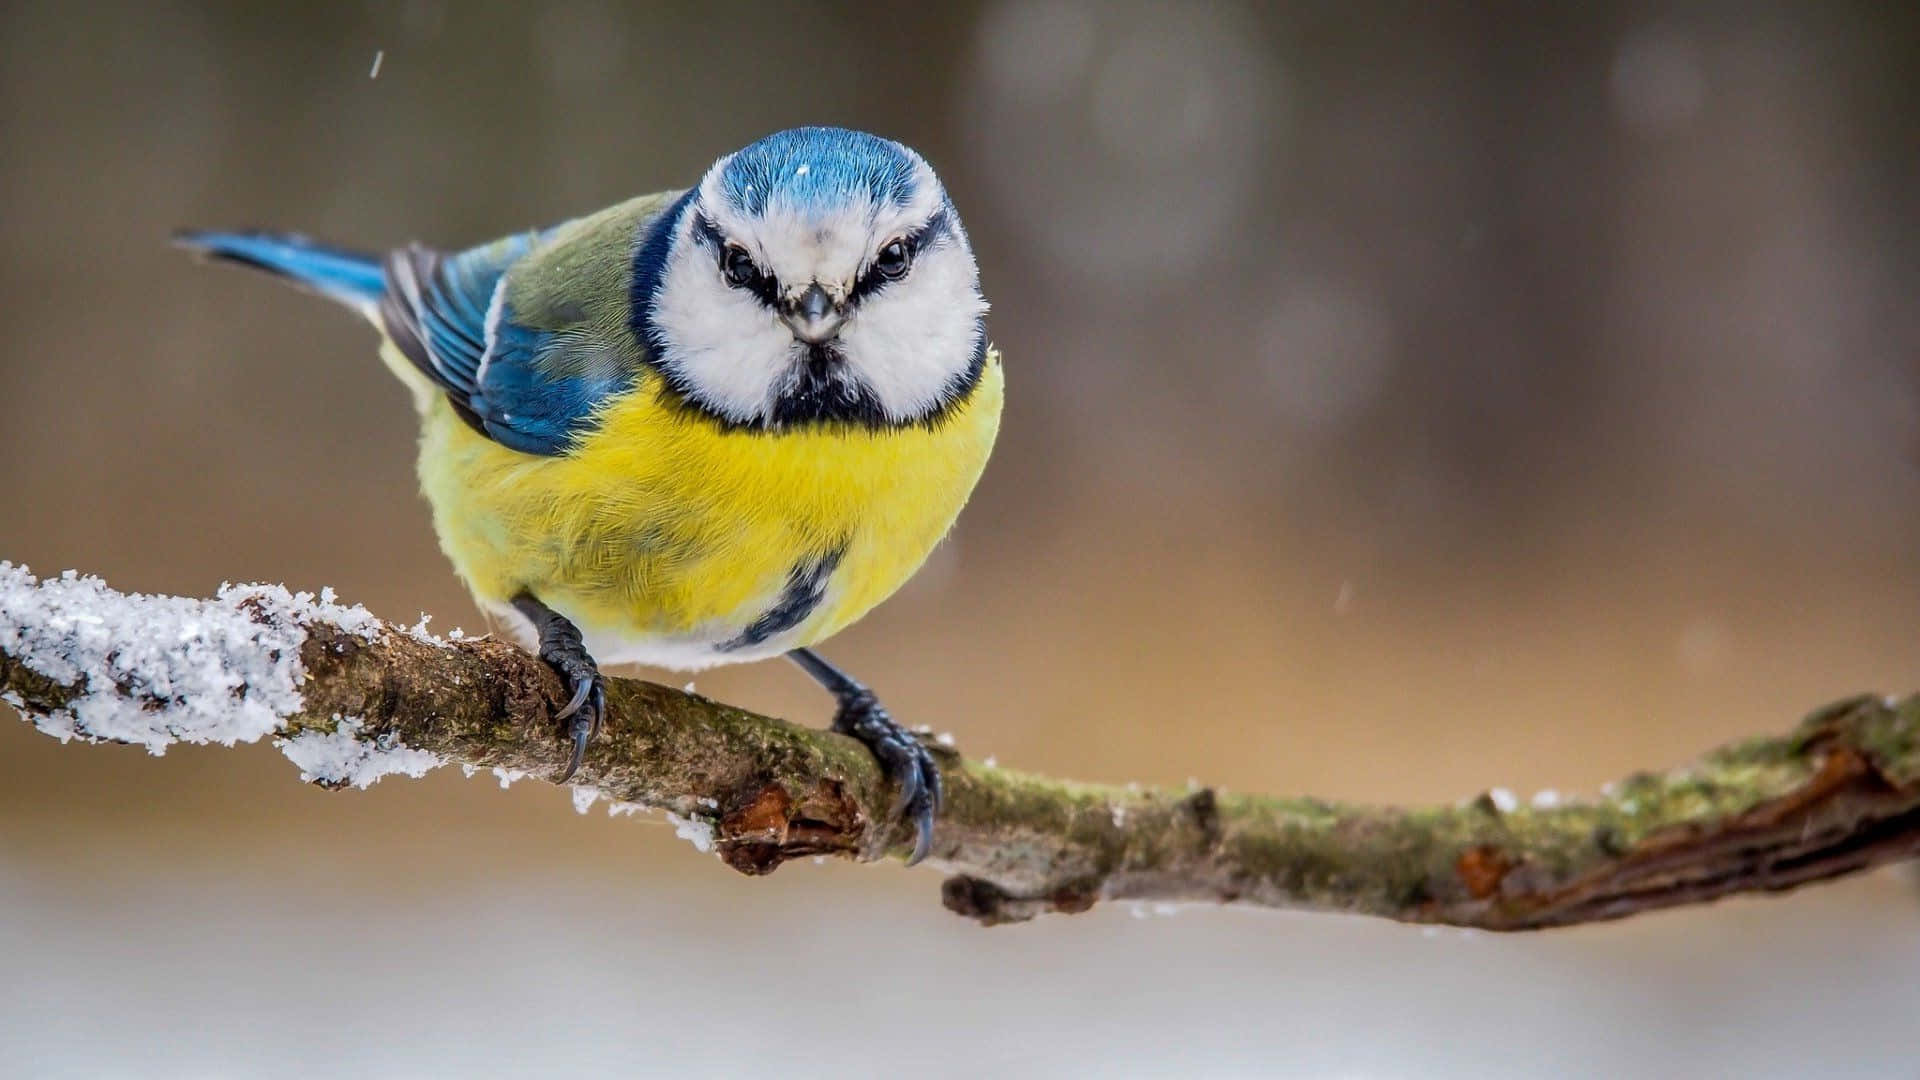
(351, 277)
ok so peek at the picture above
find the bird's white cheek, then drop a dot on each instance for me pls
(911, 341)
(721, 342)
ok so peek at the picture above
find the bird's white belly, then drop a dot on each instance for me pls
(678, 652)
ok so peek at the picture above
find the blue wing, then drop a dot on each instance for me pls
(509, 381)
(529, 388)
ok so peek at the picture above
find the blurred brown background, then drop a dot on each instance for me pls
(1404, 399)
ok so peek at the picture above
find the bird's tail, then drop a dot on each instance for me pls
(353, 278)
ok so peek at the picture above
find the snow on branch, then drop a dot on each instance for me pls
(349, 699)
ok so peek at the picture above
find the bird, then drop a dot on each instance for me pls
(703, 426)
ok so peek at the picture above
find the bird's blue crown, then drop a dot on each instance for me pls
(814, 168)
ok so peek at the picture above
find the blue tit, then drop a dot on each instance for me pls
(699, 427)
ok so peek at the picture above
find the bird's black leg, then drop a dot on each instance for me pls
(561, 648)
(901, 755)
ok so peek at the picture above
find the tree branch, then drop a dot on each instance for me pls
(350, 698)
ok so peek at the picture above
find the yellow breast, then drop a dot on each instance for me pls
(670, 540)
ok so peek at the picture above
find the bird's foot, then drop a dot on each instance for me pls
(583, 710)
(563, 650)
(904, 760)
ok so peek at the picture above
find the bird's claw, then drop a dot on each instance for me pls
(581, 688)
(904, 760)
(583, 711)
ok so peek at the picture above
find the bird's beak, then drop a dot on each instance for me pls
(813, 316)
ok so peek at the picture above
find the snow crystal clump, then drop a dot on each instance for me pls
(693, 830)
(419, 632)
(303, 607)
(342, 757)
(156, 670)
(585, 795)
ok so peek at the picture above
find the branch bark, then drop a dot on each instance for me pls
(1837, 794)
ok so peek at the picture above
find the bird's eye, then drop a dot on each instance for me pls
(737, 266)
(893, 260)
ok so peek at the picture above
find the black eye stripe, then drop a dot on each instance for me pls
(708, 233)
(764, 286)
(934, 231)
(937, 228)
